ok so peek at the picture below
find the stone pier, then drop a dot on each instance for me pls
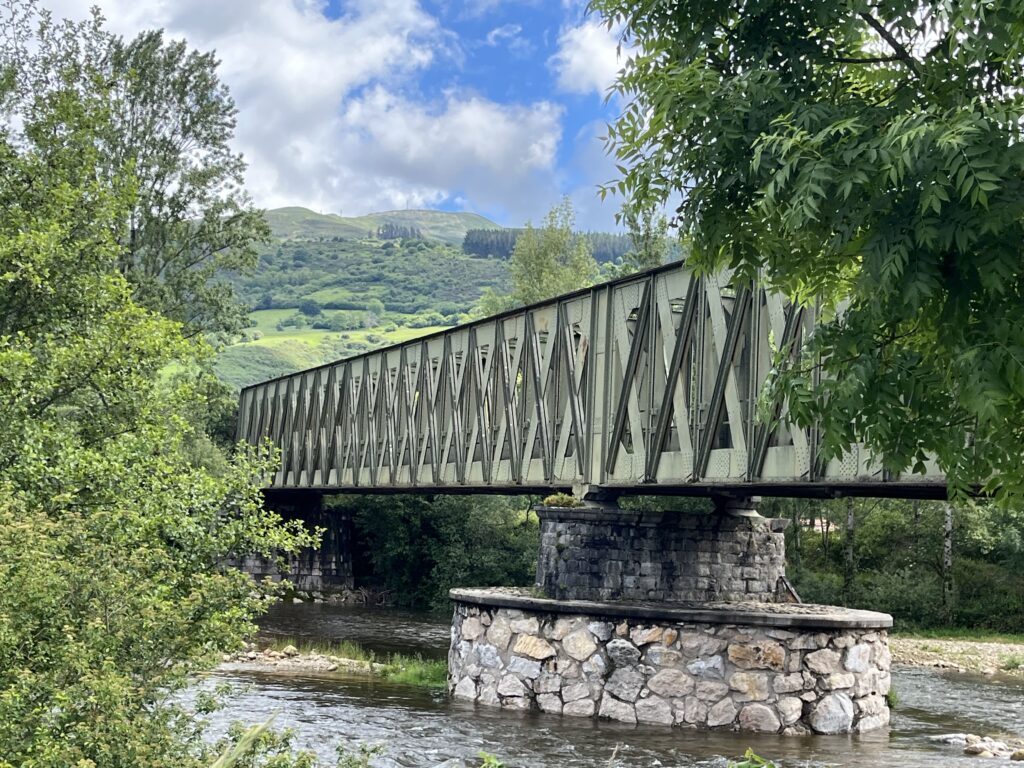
(673, 619)
(325, 569)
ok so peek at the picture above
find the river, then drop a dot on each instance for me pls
(422, 728)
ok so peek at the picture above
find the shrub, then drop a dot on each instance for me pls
(561, 500)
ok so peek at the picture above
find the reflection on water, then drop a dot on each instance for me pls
(426, 729)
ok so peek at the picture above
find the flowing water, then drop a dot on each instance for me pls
(422, 728)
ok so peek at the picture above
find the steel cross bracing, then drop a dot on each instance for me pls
(646, 384)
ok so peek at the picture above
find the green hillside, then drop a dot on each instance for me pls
(318, 294)
(304, 224)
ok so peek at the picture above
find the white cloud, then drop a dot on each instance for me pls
(587, 59)
(326, 118)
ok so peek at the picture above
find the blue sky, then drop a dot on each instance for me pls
(352, 106)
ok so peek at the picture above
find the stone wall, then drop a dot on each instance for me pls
(741, 674)
(325, 569)
(610, 554)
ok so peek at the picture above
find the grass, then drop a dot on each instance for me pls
(1012, 663)
(396, 667)
(959, 633)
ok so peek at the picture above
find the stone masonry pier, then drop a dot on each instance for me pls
(670, 618)
(766, 667)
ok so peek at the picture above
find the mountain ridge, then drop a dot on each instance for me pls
(300, 223)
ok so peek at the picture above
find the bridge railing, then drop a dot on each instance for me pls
(648, 383)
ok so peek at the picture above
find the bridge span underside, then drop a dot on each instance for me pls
(644, 385)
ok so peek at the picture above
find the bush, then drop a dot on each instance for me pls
(561, 500)
(309, 307)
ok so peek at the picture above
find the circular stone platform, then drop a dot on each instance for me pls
(768, 667)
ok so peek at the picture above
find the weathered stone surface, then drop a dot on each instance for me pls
(499, 633)
(858, 658)
(524, 667)
(471, 628)
(710, 690)
(579, 644)
(671, 683)
(870, 705)
(515, 702)
(874, 722)
(839, 680)
(670, 635)
(602, 630)
(489, 696)
(809, 642)
(759, 718)
(595, 666)
(488, 656)
(579, 708)
(695, 711)
(511, 685)
(558, 630)
(625, 683)
(765, 655)
(788, 683)
(644, 635)
(575, 691)
(722, 713)
(823, 662)
(790, 709)
(654, 709)
(712, 667)
(660, 656)
(466, 689)
(622, 652)
(614, 709)
(751, 686)
(833, 714)
(525, 626)
(534, 647)
(549, 702)
(548, 683)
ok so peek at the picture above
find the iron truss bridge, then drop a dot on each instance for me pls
(643, 385)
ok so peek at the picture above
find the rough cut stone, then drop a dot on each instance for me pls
(669, 636)
(534, 647)
(471, 628)
(524, 626)
(873, 722)
(579, 644)
(788, 683)
(579, 708)
(751, 686)
(516, 702)
(575, 691)
(823, 662)
(713, 667)
(511, 685)
(489, 696)
(833, 714)
(559, 629)
(622, 652)
(524, 667)
(723, 713)
(839, 680)
(625, 683)
(710, 690)
(644, 635)
(660, 656)
(671, 683)
(548, 684)
(595, 666)
(858, 658)
(790, 708)
(602, 630)
(614, 709)
(871, 705)
(760, 718)
(695, 711)
(499, 633)
(767, 655)
(488, 656)
(654, 709)
(549, 702)
(466, 689)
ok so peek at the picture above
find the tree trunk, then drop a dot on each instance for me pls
(797, 553)
(848, 540)
(948, 583)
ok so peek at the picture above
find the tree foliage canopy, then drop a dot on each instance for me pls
(169, 127)
(868, 156)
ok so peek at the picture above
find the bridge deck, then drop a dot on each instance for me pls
(648, 384)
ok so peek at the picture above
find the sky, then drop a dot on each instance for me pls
(353, 106)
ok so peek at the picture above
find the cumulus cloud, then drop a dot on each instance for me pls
(587, 59)
(329, 113)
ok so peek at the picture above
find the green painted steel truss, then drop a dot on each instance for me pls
(647, 384)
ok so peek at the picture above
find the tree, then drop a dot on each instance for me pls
(867, 156)
(651, 245)
(550, 260)
(113, 542)
(169, 127)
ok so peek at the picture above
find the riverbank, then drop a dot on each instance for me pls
(289, 658)
(985, 657)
